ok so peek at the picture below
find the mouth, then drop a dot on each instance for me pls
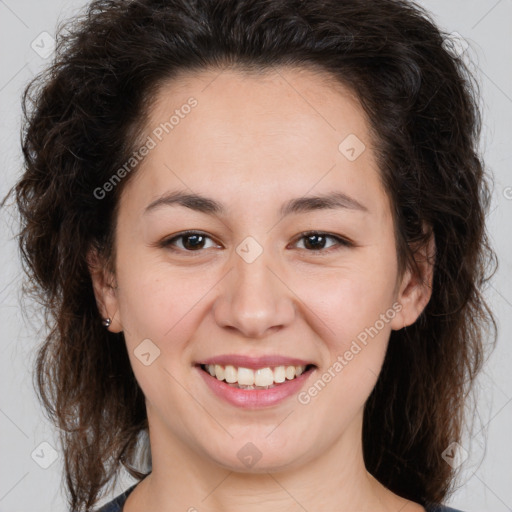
(267, 377)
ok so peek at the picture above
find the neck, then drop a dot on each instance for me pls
(335, 479)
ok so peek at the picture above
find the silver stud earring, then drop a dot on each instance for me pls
(106, 322)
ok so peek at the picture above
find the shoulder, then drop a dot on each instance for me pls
(440, 508)
(116, 505)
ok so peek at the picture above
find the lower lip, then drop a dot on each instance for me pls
(254, 398)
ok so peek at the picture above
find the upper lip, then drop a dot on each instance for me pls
(254, 362)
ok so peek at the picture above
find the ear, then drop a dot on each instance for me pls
(415, 288)
(105, 290)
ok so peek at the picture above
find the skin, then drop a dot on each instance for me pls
(252, 143)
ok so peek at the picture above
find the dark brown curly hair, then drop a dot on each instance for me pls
(82, 120)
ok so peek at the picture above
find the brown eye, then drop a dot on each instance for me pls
(192, 241)
(316, 241)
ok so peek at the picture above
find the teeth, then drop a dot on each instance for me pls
(290, 372)
(219, 372)
(263, 377)
(245, 376)
(279, 374)
(230, 374)
(249, 379)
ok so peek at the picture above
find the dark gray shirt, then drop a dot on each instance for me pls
(116, 505)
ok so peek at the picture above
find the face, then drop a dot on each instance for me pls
(267, 278)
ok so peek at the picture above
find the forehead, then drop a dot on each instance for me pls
(284, 131)
(247, 98)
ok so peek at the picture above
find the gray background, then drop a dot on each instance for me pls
(485, 477)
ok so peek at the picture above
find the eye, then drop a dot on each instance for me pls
(315, 241)
(190, 241)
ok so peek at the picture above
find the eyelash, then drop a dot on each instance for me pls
(340, 242)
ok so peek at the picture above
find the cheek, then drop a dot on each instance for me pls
(152, 298)
(350, 299)
(164, 306)
(356, 316)
(355, 310)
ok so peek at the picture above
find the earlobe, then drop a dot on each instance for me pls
(416, 286)
(105, 291)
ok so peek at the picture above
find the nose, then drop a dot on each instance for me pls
(254, 298)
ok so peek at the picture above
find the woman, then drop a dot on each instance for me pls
(258, 229)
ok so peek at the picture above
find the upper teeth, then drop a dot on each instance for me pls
(248, 377)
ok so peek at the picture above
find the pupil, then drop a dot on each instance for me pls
(193, 245)
(316, 245)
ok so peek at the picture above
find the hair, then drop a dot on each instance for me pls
(82, 119)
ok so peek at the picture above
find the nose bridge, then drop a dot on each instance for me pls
(253, 299)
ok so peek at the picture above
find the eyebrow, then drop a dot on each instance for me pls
(197, 202)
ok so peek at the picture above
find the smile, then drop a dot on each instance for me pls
(260, 378)
(256, 387)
